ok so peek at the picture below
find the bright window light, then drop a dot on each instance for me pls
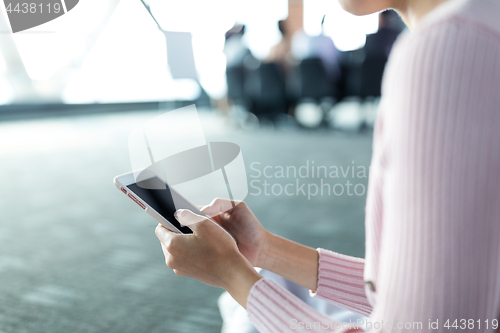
(127, 63)
(7, 94)
(52, 47)
(347, 31)
(261, 20)
(208, 22)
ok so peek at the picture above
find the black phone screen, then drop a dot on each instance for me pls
(163, 203)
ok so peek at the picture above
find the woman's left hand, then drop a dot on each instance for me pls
(209, 255)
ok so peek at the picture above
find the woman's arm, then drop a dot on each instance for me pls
(210, 255)
(273, 309)
(334, 277)
(293, 261)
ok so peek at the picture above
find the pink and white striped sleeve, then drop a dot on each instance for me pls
(340, 281)
(273, 309)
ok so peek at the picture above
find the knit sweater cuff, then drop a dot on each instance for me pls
(340, 281)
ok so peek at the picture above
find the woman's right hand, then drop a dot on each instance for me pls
(241, 223)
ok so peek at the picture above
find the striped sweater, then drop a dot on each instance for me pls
(433, 207)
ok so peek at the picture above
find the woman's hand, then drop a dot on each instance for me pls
(235, 217)
(297, 263)
(209, 255)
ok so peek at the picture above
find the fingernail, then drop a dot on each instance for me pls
(178, 213)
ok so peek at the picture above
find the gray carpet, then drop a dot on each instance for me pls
(77, 256)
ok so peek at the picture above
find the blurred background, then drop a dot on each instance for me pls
(293, 82)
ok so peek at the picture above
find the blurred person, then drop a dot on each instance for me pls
(235, 48)
(376, 52)
(320, 46)
(238, 55)
(280, 53)
(265, 85)
(381, 42)
(432, 258)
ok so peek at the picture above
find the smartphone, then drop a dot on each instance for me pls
(159, 203)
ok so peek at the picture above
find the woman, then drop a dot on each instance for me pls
(433, 209)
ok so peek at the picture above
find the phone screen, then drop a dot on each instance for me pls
(163, 203)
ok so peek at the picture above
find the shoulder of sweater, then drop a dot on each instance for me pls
(474, 16)
(458, 21)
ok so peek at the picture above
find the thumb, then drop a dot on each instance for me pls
(217, 206)
(188, 218)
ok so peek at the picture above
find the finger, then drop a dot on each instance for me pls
(166, 254)
(198, 223)
(225, 217)
(218, 206)
(164, 235)
(188, 218)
